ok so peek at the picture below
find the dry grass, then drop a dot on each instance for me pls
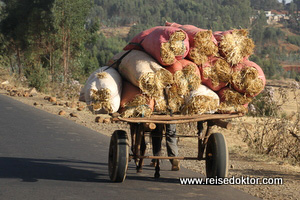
(233, 102)
(233, 97)
(175, 101)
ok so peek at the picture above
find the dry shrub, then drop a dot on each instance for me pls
(274, 134)
(68, 91)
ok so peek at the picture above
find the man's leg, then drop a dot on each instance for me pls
(172, 148)
(156, 136)
(171, 140)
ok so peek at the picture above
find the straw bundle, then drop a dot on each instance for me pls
(204, 46)
(137, 107)
(226, 108)
(186, 76)
(202, 42)
(166, 44)
(175, 100)
(248, 78)
(134, 103)
(102, 91)
(229, 95)
(144, 72)
(216, 74)
(101, 99)
(233, 101)
(234, 45)
(181, 82)
(202, 100)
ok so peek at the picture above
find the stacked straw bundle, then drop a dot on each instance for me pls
(216, 73)
(233, 101)
(134, 103)
(201, 100)
(248, 78)
(202, 42)
(165, 44)
(234, 45)
(144, 72)
(183, 69)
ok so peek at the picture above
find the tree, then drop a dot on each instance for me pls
(70, 17)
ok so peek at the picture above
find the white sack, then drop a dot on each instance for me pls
(110, 80)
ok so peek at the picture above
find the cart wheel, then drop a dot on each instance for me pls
(216, 156)
(118, 156)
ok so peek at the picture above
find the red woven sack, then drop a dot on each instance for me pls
(206, 80)
(129, 91)
(244, 80)
(153, 43)
(180, 64)
(138, 38)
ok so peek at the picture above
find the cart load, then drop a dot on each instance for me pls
(180, 69)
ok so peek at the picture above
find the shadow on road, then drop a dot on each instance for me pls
(31, 170)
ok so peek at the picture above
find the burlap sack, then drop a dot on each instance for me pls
(144, 72)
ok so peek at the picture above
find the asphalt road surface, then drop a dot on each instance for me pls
(44, 156)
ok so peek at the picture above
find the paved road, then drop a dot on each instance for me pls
(43, 156)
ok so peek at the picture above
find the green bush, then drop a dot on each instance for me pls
(294, 40)
(37, 77)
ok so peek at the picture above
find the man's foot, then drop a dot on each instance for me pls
(175, 165)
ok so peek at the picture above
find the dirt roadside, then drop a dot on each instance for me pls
(243, 162)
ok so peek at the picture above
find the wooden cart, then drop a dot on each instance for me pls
(211, 146)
